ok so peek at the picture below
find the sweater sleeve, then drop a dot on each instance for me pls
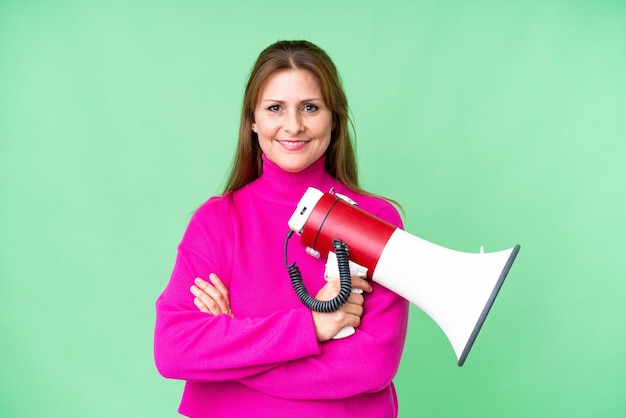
(367, 361)
(196, 346)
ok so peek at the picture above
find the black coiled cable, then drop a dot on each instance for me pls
(345, 280)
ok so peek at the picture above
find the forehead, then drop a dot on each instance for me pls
(290, 84)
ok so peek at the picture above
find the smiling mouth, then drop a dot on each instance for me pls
(293, 143)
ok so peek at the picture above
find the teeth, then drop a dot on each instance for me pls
(294, 142)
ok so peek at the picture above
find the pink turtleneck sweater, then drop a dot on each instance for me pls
(266, 361)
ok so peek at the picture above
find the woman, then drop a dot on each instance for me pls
(229, 322)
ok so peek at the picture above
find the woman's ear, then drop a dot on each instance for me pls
(254, 127)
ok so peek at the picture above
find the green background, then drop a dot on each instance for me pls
(492, 123)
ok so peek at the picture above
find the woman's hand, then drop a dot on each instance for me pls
(327, 325)
(212, 298)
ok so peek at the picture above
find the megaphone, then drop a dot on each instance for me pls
(456, 289)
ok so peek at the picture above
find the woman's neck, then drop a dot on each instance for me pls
(276, 184)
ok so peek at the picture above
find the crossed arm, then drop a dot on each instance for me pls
(213, 297)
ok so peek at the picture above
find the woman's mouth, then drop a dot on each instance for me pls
(293, 145)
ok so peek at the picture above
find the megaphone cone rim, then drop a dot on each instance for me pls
(487, 308)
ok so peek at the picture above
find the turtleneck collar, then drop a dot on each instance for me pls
(278, 185)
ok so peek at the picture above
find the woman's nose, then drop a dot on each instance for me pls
(293, 122)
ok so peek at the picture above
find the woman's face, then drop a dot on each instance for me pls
(291, 120)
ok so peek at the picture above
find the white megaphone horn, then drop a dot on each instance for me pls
(456, 289)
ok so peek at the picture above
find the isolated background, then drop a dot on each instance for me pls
(491, 124)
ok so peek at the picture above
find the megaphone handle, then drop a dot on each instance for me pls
(349, 330)
(332, 273)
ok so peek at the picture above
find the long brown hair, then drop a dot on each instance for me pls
(340, 155)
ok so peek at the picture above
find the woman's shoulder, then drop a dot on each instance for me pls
(219, 205)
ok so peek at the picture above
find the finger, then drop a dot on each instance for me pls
(352, 315)
(201, 306)
(353, 308)
(355, 321)
(219, 285)
(356, 298)
(214, 294)
(204, 302)
(360, 283)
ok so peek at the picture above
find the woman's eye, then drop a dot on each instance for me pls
(274, 108)
(310, 108)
